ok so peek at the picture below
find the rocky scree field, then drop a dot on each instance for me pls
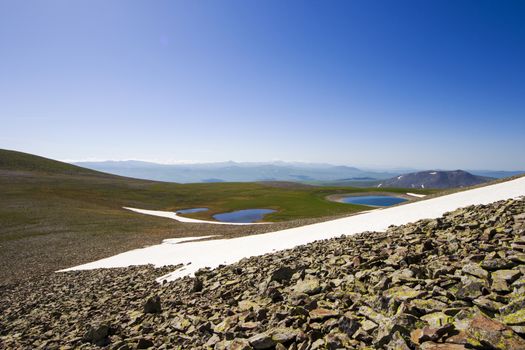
(457, 282)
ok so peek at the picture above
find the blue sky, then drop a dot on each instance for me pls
(422, 84)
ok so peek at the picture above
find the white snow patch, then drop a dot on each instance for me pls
(175, 216)
(422, 186)
(226, 251)
(399, 177)
(416, 195)
(379, 185)
(433, 173)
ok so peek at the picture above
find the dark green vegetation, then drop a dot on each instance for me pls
(54, 215)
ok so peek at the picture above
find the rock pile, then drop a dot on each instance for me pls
(457, 282)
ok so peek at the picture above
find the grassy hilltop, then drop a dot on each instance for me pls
(54, 215)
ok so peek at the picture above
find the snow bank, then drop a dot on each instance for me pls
(215, 252)
(416, 195)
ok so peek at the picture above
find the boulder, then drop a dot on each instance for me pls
(97, 335)
(152, 305)
(197, 285)
(282, 274)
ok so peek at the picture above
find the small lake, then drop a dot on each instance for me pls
(191, 210)
(243, 216)
(376, 201)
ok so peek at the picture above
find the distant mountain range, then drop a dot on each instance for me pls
(435, 179)
(252, 171)
(234, 171)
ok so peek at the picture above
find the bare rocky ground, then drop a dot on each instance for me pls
(37, 256)
(457, 282)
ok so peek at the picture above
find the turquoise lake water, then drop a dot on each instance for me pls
(243, 216)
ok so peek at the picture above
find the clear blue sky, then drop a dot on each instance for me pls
(423, 84)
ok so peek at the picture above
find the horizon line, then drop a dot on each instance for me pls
(196, 162)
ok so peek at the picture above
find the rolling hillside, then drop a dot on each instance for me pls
(54, 215)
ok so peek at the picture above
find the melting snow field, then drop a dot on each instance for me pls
(225, 251)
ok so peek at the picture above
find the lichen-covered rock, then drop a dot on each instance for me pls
(475, 270)
(309, 286)
(514, 319)
(283, 334)
(426, 306)
(484, 331)
(470, 288)
(487, 304)
(403, 293)
(501, 279)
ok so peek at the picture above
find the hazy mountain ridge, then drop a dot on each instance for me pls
(435, 179)
(234, 171)
(231, 171)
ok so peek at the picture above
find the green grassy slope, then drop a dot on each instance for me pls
(54, 215)
(19, 161)
(47, 189)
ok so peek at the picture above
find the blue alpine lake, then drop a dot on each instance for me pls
(191, 210)
(376, 201)
(243, 216)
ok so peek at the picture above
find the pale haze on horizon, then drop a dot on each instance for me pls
(382, 84)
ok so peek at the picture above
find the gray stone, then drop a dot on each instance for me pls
(470, 289)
